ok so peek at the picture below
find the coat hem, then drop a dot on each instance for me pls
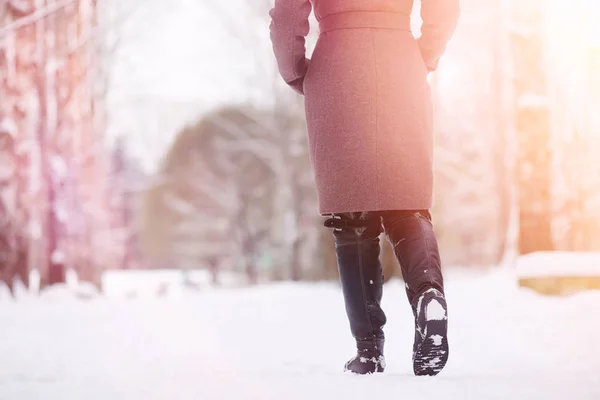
(327, 213)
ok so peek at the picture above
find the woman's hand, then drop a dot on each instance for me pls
(289, 28)
(440, 18)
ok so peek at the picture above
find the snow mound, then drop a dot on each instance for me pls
(135, 284)
(69, 292)
(557, 264)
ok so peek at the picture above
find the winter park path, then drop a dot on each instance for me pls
(290, 341)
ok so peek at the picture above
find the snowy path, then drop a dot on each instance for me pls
(290, 342)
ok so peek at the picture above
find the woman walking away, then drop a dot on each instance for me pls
(370, 127)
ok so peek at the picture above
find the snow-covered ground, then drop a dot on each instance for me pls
(289, 341)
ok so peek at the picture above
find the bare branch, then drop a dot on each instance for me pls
(36, 16)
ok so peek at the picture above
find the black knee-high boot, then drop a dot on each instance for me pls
(415, 246)
(357, 249)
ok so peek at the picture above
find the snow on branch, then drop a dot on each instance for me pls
(102, 30)
(36, 16)
(179, 205)
(20, 7)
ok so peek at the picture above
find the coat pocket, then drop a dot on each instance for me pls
(418, 54)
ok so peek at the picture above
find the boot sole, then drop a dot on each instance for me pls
(432, 355)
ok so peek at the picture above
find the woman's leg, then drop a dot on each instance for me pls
(415, 246)
(357, 249)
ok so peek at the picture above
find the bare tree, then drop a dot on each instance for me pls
(473, 154)
(219, 191)
(15, 127)
(48, 60)
(285, 150)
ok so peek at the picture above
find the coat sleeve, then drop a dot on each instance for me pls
(440, 18)
(289, 27)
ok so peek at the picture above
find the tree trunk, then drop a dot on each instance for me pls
(533, 127)
(503, 105)
(213, 265)
(46, 129)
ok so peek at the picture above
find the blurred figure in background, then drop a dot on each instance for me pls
(370, 126)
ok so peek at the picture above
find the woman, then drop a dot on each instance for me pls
(370, 127)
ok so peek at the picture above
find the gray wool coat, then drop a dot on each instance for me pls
(367, 99)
